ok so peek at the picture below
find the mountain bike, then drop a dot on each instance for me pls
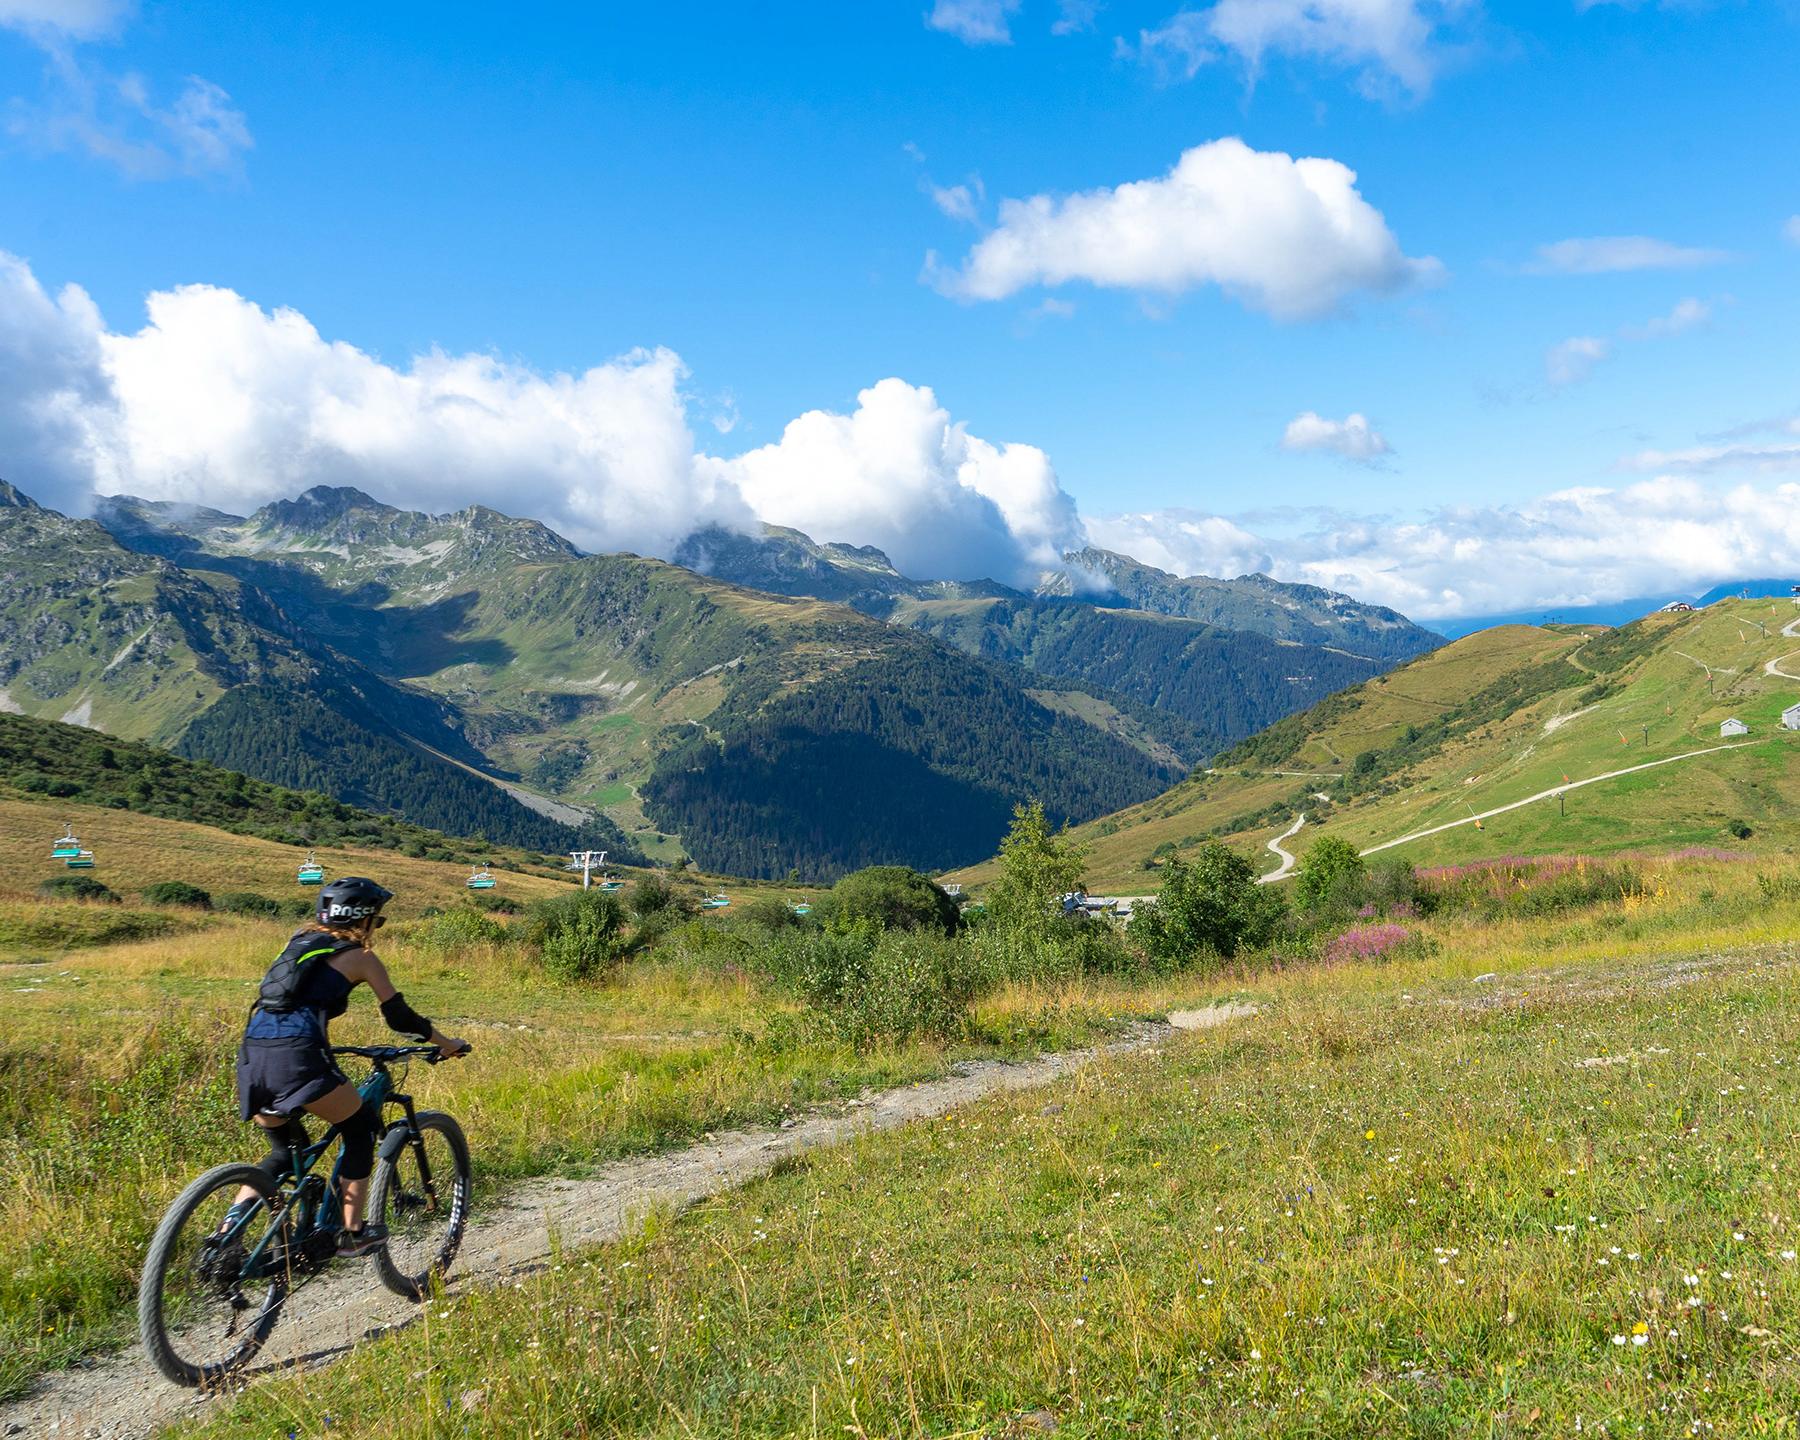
(218, 1275)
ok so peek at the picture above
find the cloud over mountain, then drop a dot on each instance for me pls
(218, 401)
(1290, 236)
(1572, 547)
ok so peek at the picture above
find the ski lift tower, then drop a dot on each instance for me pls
(586, 861)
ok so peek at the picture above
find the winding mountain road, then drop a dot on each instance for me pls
(1792, 631)
(1287, 857)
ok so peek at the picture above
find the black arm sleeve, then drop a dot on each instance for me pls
(402, 1017)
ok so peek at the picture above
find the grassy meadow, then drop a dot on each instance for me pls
(1422, 1107)
(1523, 1175)
(116, 1073)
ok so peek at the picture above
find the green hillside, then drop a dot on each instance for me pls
(459, 669)
(133, 645)
(1227, 684)
(1500, 717)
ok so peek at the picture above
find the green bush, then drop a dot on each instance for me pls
(452, 931)
(890, 897)
(177, 892)
(578, 935)
(1210, 906)
(76, 887)
(773, 913)
(246, 902)
(876, 986)
(653, 895)
(494, 904)
(1331, 876)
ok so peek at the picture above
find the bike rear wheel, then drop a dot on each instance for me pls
(203, 1309)
(425, 1221)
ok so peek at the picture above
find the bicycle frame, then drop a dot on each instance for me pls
(316, 1205)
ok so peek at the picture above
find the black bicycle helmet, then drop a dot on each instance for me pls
(350, 900)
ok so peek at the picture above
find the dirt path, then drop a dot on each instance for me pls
(1287, 858)
(122, 1396)
(1791, 631)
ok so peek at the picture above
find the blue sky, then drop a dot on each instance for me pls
(751, 188)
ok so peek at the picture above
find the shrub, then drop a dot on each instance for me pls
(1331, 876)
(177, 892)
(452, 931)
(246, 902)
(76, 887)
(495, 904)
(652, 895)
(875, 986)
(578, 935)
(890, 897)
(773, 913)
(1393, 888)
(1739, 829)
(1209, 906)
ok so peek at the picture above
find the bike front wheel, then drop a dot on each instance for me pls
(214, 1278)
(422, 1196)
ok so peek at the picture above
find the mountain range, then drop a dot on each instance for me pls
(796, 708)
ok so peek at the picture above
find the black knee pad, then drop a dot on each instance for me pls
(359, 1142)
(284, 1141)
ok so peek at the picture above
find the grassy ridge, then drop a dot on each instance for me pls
(1498, 716)
(1394, 1202)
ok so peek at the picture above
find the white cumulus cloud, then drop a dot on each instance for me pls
(974, 22)
(1351, 438)
(1292, 237)
(217, 401)
(899, 473)
(1607, 254)
(1388, 42)
(1569, 362)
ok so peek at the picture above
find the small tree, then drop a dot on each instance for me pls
(1210, 905)
(1331, 875)
(1038, 866)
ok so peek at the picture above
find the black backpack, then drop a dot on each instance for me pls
(304, 954)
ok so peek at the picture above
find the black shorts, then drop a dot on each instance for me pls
(280, 1074)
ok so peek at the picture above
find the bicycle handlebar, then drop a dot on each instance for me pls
(384, 1054)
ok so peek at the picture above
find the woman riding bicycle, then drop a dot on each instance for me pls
(284, 1063)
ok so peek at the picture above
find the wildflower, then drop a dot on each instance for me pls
(1368, 1134)
(1640, 1328)
(1640, 1339)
